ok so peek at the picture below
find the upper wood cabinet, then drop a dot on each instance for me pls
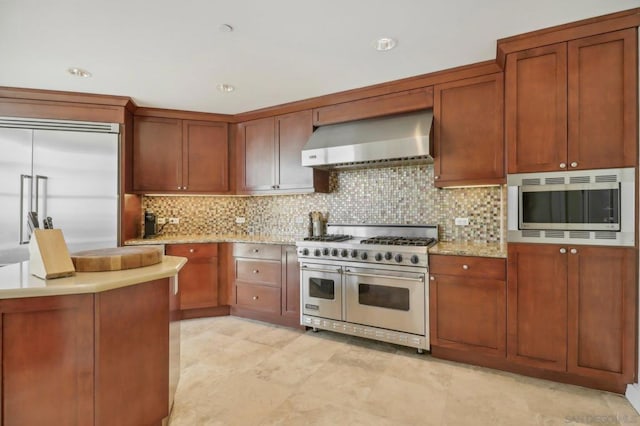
(376, 106)
(173, 155)
(269, 155)
(468, 131)
(573, 105)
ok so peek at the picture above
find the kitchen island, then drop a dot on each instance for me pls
(91, 349)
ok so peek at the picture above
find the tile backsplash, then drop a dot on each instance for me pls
(392, 195)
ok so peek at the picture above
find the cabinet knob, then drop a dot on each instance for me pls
(574, 164)
(255, 271)
(574, 251)
(191, 250)
(184, 187)
(563, 165)
(179, 187)
(432, 278)
(255, 297)
(465, 267)
(563, 250)
(256, 250)
(436, 177)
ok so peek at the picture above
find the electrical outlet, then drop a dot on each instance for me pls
(240, 219)
(174, 220)
(300, 220)
(162, 221)
(462, 221)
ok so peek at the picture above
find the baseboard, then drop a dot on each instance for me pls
(633, 395)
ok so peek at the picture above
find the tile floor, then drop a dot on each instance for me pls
(242, 372)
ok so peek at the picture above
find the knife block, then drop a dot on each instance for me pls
(49, 255)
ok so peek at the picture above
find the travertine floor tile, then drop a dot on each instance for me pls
(242, 372)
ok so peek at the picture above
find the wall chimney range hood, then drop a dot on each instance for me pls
(385, 141)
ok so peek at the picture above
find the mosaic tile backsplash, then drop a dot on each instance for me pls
(392, 195)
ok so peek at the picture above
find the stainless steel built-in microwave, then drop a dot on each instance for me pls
(580, 207)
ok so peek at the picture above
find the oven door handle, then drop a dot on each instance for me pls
(390, 277)
(327, 271)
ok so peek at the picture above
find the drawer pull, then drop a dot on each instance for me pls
(255, 297)
(465, 267)
(256, 250)
(255, 271)
(563, 250)
(191, 250)
(432, 278)
(574, 251)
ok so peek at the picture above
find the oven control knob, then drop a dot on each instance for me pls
(414, 259)
(317, 252)
(334, 252)
(364, 255)
(378, 257)
(398, 258)
(344, 253)
(354, 253)
(325, 251)
(388, 255)
(305, 252)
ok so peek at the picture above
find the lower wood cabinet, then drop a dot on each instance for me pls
(266, 283)
(467, 303)
(198, 280)
(573, 309)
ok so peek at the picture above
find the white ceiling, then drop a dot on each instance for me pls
(172, 54)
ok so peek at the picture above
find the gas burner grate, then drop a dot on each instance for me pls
(399, 241)
(329, 237)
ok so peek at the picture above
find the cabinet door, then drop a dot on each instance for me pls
(290, 283)
(469, 142)
(157, 154)
(205, 156)
(293, 132)
(256, 155)
(602, 312)
(537, 305)
(198, 279)
(536, 109)
(603, 100)
(468, 313)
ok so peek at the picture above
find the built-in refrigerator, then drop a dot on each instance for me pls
(65, 170)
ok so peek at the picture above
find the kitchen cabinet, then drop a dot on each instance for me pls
(198, 279)
(173, 155)
(270, 153)
(573, 308)
(266, 283)
(467, 303)
(376, 106)
(468, 131)
(573, 105)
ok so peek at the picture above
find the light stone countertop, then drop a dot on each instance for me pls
(215, 238)
(16, 280)
(467, 248)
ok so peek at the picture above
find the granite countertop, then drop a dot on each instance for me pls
(16, 281)
(215, 238)
(467, 248)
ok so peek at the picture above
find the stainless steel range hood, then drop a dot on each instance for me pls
(385, 141)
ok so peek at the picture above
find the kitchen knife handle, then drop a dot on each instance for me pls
(23, 178)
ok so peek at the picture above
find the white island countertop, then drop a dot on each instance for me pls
(16, 281)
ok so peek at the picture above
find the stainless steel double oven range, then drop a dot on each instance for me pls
(368, 281)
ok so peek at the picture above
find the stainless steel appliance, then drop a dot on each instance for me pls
(384, 141)
(368, 281)
(65, 170)
(577, 207)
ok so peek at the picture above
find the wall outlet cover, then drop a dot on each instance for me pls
(462, 221)
(162, 221)
(174, 220)
(240, 219)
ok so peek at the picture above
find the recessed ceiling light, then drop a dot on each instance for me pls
(384, 43)
(225, 88)
(79, 72)
(226, 28)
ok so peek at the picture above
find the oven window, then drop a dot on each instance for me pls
(321, 288)
(595, 206)
(383, 296)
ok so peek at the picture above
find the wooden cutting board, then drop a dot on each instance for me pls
(115, 259)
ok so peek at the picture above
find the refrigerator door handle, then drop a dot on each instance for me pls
(24, 178)
(37, 197)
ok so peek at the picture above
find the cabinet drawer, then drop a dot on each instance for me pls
(265, 272)
(468, 266)
(258, 251)
(258, 297)
(193, 250)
